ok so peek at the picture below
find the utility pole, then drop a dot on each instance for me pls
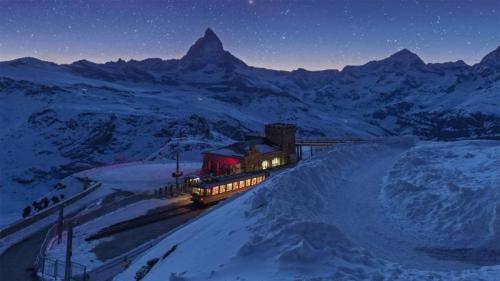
(178, 173)
(69, 252)
(60, 224)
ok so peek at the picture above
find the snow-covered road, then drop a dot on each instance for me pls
(357, 209)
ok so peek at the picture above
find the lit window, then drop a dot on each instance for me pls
(265, 164)
(235, 185)
(259, 179)
(222, 188)
(208, 191)
(254, 181)
(229, 187)
(242, 184)
(215, 190)
(275, 162)
(247, 182)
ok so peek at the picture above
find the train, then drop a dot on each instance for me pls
(211, 190)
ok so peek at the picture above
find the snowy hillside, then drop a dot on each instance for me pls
(60, 119)
(325, 219)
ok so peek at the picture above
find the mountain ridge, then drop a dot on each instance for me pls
(209, 49)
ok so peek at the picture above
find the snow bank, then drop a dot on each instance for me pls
(82, 252)
(139, 176)
(448, 192)
(295, 226)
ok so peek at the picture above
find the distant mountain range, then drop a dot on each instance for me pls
(208, 51)
(60, 119)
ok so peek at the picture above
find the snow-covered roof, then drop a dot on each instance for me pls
(265, 148)
(240, 149)
(226, 151)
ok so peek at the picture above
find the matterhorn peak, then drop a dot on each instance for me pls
(209, 50)
(210, 33)
(208, 47)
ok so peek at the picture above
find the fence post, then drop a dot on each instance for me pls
(85, 182)
(60, 224)
(43, 265)
(55, 269)
(69, 252)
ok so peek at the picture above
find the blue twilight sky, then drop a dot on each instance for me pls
(274, 34)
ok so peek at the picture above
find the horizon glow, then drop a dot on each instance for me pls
(283, 35)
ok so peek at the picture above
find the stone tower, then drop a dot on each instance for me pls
(283, 135)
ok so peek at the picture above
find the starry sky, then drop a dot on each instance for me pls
(275, 34)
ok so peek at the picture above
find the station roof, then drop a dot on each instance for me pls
(240, 149)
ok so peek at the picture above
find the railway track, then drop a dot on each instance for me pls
(143, 220)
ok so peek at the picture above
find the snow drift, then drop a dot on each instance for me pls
(321, 219)
(447, 191)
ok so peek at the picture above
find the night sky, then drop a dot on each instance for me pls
(273, 34)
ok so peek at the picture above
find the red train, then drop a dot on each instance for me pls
(206, 191)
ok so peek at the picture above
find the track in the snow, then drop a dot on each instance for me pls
(143, 220)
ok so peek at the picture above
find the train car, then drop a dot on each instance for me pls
(207, 192)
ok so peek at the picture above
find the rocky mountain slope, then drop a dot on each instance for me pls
(60, 119)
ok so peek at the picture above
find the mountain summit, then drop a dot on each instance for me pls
(405, 57)
(209, 50)
(399, 61)
(492, 59)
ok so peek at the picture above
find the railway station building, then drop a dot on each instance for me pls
(275, 148)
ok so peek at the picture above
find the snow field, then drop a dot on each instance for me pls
(447, 192)
(321, 219)
(139, 176)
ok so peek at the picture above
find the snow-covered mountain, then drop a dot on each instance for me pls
(60, 119)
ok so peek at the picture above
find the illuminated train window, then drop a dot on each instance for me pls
(208, 191)
(229, 187)
(235, 185)
(215, 190)
(259, 179)
(275, 162)
(222, 188)
(254, 181)
(242, 184)
(247, 183)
